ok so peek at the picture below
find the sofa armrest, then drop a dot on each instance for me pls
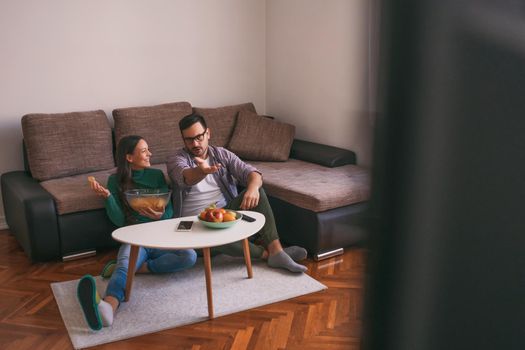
(31, 215)
(328, 156)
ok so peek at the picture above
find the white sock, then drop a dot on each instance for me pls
(106, 313)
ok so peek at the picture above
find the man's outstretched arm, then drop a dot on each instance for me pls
(195, 175)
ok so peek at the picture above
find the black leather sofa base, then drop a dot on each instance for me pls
(324, 232)
(84, 232)
(31, 216)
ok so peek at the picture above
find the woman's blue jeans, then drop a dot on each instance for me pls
(158, 261)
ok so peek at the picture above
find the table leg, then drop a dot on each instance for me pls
(207, 272)
(247, 258)
(133, 255)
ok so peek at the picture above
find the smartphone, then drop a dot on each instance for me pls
(185, 226)
(247, 218)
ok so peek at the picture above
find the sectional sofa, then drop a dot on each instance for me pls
(318, 194)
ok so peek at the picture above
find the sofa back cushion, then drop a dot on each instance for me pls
(260, 138)
(221, 121)
(159, 125)
(66, 144)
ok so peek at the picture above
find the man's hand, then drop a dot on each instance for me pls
(205, 168)
(196, 174)
(251, 195)
(250, 199)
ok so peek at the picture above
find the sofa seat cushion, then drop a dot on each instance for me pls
(221, 121)
(72, 194)
(159, 125)
(65, 144)
(315, 187)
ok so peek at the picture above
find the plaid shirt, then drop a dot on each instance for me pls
(233, 171)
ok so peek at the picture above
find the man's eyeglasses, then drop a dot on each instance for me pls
(197, 138)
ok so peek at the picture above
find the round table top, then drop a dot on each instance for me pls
(162, 234)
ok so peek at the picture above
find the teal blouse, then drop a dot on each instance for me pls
(146, 178)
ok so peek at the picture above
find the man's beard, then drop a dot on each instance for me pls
(198, 151)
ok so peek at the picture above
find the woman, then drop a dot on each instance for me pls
(133, 171)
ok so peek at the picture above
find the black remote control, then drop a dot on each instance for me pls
(247, 218)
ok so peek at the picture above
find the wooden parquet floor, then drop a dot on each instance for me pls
(330, 319)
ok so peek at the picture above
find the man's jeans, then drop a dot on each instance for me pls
(158, 261)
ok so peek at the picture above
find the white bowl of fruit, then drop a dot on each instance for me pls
(219, 217)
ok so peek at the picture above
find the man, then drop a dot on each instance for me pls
(203, 174)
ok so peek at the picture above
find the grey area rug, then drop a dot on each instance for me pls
(161, 302)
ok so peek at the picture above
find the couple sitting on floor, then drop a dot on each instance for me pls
(201, 173)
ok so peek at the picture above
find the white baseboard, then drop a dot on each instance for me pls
(3, 223)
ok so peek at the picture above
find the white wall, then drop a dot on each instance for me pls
(316, 76)
(304, 61)
(63, 55)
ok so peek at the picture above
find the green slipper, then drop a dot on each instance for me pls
(88, 298)
(108, 269)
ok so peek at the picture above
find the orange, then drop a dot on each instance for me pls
(228, 217)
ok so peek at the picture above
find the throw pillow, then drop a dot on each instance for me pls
(221, 121)
(159, 125)
(65, 144)
(260, 138)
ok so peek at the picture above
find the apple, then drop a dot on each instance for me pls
(214, 215)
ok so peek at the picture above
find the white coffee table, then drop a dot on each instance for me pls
(162, 235)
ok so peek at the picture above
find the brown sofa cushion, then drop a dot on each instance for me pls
(221, 121)
(159, 125)
(66, 144)
(315, 187)
(72, 194)
(261, 138)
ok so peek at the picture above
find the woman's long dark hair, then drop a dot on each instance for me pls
(126, 146)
